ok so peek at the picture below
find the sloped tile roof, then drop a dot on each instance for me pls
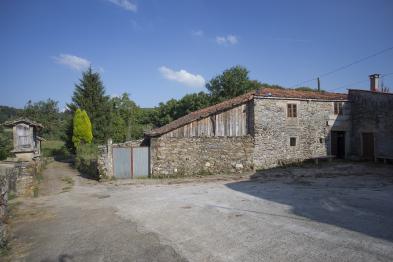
(291, 93)
(228, 104)
(22, 120)
(202, 113)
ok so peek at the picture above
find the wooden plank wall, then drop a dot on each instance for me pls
(232, 122)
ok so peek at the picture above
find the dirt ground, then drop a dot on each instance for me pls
(67, 222)
(336, 212)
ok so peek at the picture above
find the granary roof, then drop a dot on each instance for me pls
(12, 123)
(263, 92)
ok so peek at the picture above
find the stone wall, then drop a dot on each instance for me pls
(8, 177)
(200, 155)
(372, 112)
(104, 161)
(311, 128)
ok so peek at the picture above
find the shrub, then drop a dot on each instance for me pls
(86, 160)
(82, 132)
(5, 143)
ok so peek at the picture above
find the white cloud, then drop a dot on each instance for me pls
(125, 4)
(198, 33)
(182, 76)
(72, 61)
(229, 39)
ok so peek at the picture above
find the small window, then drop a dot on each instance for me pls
(292, 141)
(338, 108)
(321, 140)
(292, 110)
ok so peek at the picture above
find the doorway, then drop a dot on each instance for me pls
(338, 144)
(368, 146)
(130, 162)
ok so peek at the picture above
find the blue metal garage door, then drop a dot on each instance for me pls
(122, 162)
(131, 162)
(140, 161)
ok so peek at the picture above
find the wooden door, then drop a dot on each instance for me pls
(368, 146)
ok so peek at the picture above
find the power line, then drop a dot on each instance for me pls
(385, 75)
(345, 66)
(347, 85)
(357, 82)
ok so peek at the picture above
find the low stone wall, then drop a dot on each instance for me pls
(8, 177)
(200, 155)
(18, 178)
(104, 164)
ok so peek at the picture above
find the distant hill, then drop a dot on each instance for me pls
(7, 113)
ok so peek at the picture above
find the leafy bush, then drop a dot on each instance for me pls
(86, 160)
(82, 132)
(5, 143)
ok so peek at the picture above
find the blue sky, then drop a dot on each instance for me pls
(161, 49)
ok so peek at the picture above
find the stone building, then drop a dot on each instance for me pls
(27, 143)
(261, 129)
(372, 125)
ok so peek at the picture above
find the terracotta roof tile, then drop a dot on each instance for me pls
(202, 113)
(267, 92)
(291, 93)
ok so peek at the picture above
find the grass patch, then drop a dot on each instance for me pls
(68, 180)
(66, 189)
(86, 160)
(50, 147)
(11, 195)
(4, 251)
(55, 149)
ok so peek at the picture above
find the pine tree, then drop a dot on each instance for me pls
(89, 95)
(82, 133)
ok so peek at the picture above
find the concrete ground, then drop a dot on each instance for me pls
(338, 212)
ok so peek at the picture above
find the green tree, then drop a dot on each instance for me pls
(5, 142)
(89, 95)
(173, 109)
(7, 113)
(126, 109)
(192, 102)
(231, 83)
(82, 132)
(48, 114)
(118, 126)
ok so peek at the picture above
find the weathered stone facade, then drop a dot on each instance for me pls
(372, 112)
(8, 177)
(201, 155)
(311, 129)
(269, 128)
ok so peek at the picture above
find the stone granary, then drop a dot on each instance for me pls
(271, 127)
(27, 143)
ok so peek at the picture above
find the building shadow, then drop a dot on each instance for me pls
(365, 208)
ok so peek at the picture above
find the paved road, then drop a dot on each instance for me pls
(346, 214)
(67, 222)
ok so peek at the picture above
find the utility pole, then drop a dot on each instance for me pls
(319, 84)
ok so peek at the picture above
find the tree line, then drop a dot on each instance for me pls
(120, 118)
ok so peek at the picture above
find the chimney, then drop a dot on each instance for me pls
(374, 82)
